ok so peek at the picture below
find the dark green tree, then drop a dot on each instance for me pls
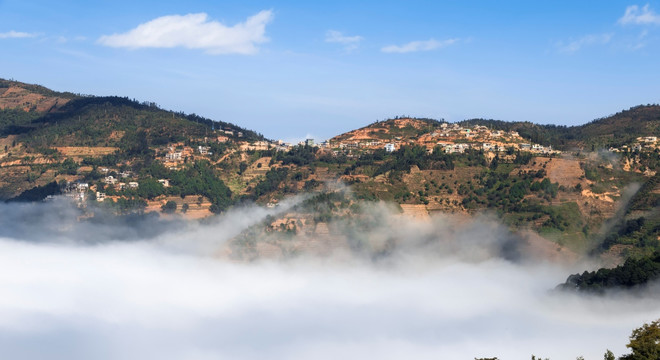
(644, 343)
(169, 207)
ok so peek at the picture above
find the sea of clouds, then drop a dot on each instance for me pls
(150, 288)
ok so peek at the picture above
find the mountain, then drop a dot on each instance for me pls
(45, 118)
(130, 156)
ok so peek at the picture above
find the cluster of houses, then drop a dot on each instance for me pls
(642, 144)
(478, 131)
(452, 138)
(496, 147)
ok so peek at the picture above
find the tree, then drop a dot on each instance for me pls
(644, 343)
(169, 207)
(184, 208)
(608, 355)
(242, 167)
(150, 188)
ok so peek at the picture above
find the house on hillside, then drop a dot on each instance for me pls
(110, 180)
(390, 147)
(174, 156)
(133, 185)
(164, 182)
(203, 150)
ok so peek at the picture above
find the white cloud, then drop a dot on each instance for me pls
(349, 42)
(635, 15)
(414, 46)
(575, 45)
(195, 31)
(16, 35)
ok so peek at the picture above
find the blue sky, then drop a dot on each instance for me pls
(292, 69)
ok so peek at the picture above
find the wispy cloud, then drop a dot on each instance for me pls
(640, 42)
(16, 35)
(195, 31)
(415, 46)
(639, 16)
(349, 42)
(587, 40)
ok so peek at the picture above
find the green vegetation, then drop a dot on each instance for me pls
(640, 232)
(644, 343)
(169, 207)
(37, 193)
(298, 155)
(634, 273)
(201, 179)
(271, 182)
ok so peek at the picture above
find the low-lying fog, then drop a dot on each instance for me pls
(153, 289)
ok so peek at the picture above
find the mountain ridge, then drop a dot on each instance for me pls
(124, 155)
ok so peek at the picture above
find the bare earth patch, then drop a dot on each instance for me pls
(81, 151)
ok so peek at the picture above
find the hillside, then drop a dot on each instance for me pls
(45, 118)
(407, 128)
(130, 157)
(611, 131)
(31, 98)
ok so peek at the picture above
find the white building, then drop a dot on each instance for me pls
(174, 156)
(390, 147)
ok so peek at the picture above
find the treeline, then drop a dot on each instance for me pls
(634, 273)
